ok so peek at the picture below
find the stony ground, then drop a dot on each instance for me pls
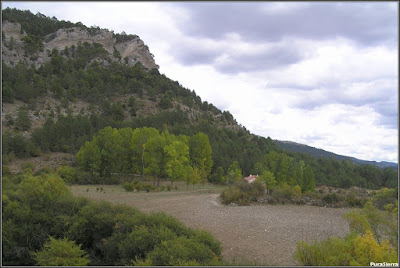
(252, 235)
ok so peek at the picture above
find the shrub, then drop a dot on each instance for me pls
(235, 195)
(44, 170)
(297, 190)
(112, 235)
(385, 196)
(61, 252)
(28, 165)
(352, 200)
(182, 251)
(283, 193)
(149, 187)
(353, 250)
(141, 240)
(6, 171)
(128, 186)
(68, 174)
(331, 198)
(139, 187)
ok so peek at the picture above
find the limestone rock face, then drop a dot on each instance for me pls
(71, 36)
(136, 51)
(12, 29)
(131, 51)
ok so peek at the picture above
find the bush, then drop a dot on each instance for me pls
(139, 186)
(353, 250)
(61, 252)
(129, 186)
(112, 235)
(352, 200)
(297, 190)
(332, 198)
(182, 251)
(243, 193)
(385, 196)
(254, 190)
(6, 171)
(44, 170)
(149, 187)
(283, 193)
(68, 174)
(235, 195)
(28, 165)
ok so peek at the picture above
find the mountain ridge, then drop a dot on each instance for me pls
(129, 49)
(318, 152)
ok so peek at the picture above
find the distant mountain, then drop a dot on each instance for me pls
(302, 148)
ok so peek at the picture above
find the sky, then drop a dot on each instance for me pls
(323, 74)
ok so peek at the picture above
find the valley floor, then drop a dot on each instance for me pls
(252, 235)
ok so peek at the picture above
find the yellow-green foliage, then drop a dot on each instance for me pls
(349, 251)
(358, 222)
(367, 249)
(68, 174)
(61, 252)
(235, 195)
(43, 189)
(385, 196)
(297, 190)
(373, 238)
(333, 251)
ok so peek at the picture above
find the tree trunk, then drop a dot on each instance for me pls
(142, 163)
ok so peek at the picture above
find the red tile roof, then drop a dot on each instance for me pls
(250, 178)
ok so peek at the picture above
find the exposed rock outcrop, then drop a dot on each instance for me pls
(12, 29)
(131, 51)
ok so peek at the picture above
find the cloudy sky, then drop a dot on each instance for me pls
(319, 73)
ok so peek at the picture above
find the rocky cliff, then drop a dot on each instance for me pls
(132, 50)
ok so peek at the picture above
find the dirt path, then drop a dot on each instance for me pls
(265, 235)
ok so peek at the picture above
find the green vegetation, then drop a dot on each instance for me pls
(373, 238)
(243, 193)
(292, 194)
(279, 169)
(61, 252)
(145, 151)
(43, 224)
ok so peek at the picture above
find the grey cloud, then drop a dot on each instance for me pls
(366, 23)
(390, 122)
(191, 55)
(385, 105)
(277, 55)
(381, 99)
(388, 111)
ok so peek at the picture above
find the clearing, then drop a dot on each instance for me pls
(252, 235)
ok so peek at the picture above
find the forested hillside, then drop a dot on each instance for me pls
(302, 148)
(81, 89)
